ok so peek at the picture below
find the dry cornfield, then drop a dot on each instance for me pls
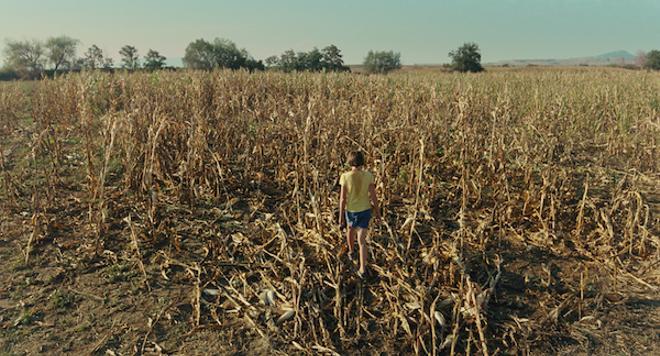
(196, 213)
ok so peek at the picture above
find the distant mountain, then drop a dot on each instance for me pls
(614, 57)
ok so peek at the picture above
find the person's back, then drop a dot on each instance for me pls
(357, 188)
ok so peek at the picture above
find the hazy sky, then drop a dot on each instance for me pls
(422, 30)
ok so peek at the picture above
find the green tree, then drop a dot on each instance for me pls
(272, 61)
(652, 60)
(25, 57)
(129, 57)
(94, 59)
(289, 61)
(154, 60)
(466, 58)
(252, 64)
(199, 55)
(61, 52)
(222, 53)
(328, 59)
(227, 55)
(382, 61)
(309, 61)
(332, 59)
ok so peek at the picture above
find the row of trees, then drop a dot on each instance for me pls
(221, 53)
(382, 61)
(153, 60)
(130, 59)
(466, 58)
(329, 59)
(29, 59)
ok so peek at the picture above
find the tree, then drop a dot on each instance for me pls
(199, 55)
(227, 55)
(222, 53)
(382, 61)
(130, 57)
(652, 60)
(289, 61)
(154, 60)
(252, 64)
(328, 59)
(25, 57)
(466, 58)
(94, 59)
(311, 61)
(332, 59)
(78, 64)
(272, 61)
(61, 52)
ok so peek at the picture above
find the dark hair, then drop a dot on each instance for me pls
(356, 159)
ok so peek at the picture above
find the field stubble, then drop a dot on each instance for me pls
(520, 212)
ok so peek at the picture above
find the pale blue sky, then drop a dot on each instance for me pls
(422, 30)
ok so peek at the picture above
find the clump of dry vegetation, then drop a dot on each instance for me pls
(520, 209)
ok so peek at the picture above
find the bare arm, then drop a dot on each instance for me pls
(342, 206)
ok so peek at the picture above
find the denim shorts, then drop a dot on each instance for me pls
(358, 219)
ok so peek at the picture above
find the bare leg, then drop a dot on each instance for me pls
(350, 239)
(362, 242)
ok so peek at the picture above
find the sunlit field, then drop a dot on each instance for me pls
(192, 212)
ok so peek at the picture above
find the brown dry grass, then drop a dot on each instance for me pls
(520, 208)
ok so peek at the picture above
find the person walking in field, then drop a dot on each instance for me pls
(357, 203)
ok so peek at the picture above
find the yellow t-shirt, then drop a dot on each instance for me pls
(357, 190)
